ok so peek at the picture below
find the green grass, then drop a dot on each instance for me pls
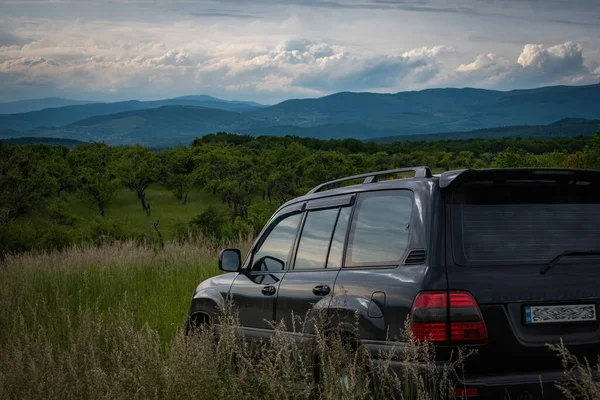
(125, 209)
(150, 287)
(106, 323)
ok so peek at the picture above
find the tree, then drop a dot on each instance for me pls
(177, 171)
(280, 186)
(509, 159)
(24, 181)
(591, 152)
(136, 168)
(96, 180)
(575, 160)
(230, 172)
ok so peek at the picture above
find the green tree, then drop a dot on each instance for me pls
(96, 180)
(554, 159)
(575, 160)
(177, 171)
(591, 152)
(228, 171)
(25, 181)
(509, 159)
(136, 168)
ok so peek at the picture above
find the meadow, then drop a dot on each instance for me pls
(107, 322)
(93, 304)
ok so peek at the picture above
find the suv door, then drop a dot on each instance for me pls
(318, 258)
(376, 281)
(254, 290)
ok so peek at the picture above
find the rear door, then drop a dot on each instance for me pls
(318, 258)
(504, 228)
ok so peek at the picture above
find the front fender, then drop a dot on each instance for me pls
(207, 301)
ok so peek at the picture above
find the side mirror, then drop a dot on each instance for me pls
(230, 260)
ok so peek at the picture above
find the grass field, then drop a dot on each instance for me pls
(126, 209)
(106, 323)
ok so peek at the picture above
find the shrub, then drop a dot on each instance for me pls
(58, 212)
(210, 222)
(106, 230)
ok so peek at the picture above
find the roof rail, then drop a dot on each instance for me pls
(372, 177)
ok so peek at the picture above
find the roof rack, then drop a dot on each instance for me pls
(372, 177)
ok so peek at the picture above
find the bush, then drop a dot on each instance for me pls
(20, 236)
(210, 222)
(55, 237)
(17, 237)
(58, 212)
(107, 230)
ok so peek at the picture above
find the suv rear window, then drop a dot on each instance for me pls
(523, 222)
(380, 228)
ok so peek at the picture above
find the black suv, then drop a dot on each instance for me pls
(501, 260)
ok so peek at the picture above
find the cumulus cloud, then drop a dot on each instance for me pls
(537, 64)
(297, 66)
(428, 51)
(119, 52)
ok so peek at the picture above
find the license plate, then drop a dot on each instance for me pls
(562, 313)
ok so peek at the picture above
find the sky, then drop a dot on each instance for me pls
(272, 50)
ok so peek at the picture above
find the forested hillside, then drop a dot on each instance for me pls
(365, 116)
(221, 186)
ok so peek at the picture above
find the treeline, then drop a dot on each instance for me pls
(251, 176)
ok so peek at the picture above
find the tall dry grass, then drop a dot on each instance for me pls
(106, 323)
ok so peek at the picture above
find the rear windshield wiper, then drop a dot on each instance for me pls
(556, 259)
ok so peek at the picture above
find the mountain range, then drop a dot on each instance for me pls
(364, 116)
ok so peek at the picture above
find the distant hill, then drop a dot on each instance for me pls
(163, 126)
(563, 128)
(205, 98)
(363, 116)
(438, 110)
(62, 116)
(43, 140)
(23, 106)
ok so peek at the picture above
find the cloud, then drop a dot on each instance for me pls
(269, 50)
(428, 51)
(536, 65)
(297, 66)
(7, 39)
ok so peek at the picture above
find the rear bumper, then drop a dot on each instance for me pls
(520, 386)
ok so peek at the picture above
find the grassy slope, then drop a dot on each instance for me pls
(145, 285)
(103, 323)
(126, 209)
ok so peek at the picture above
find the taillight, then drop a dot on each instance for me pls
(449, 317)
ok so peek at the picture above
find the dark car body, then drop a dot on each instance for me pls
(483, 237)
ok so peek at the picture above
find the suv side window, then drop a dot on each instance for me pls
(379, 231)
(274, 251)
(315, 239)
(336, 250)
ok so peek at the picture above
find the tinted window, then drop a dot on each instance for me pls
(337, 243)
(523, 223)
(275, 249)
(380, 228)
(315, 239)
